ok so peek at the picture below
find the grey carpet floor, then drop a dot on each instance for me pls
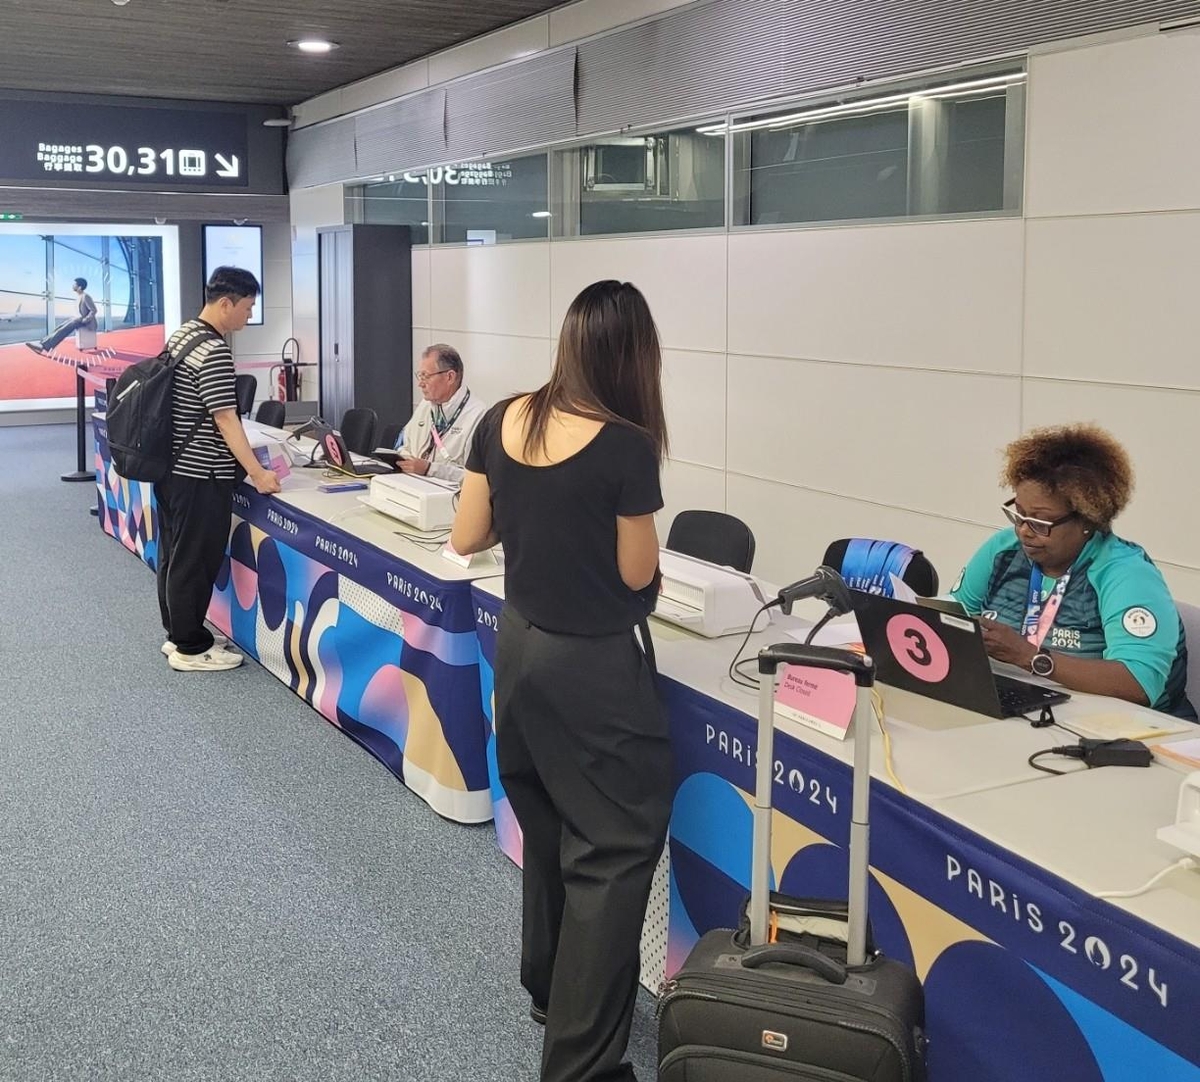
(200, 879)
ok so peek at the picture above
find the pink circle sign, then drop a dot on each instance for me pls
(918, 648)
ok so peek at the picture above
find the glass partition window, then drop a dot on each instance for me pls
(401, 199)
(491, 202)
(644, 183)
(949, 147)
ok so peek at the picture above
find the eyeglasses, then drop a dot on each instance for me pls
(425, 377)
(1040, 526)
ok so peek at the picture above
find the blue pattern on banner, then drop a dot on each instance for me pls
(1124, 1054)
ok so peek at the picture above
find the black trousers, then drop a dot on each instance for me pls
(60, 332)
(193, 531)
(585, 759)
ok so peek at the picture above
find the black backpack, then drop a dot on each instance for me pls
(140, 410)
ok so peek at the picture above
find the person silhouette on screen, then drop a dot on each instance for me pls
(85, 321)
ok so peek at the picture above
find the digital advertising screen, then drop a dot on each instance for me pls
(131, 278)
(236, 246)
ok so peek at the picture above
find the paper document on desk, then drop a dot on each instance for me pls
(1113, 725)
(837, 634)
(901, 590)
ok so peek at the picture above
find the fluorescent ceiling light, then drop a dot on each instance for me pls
(314, 45)
(540, 214)
(987, 85)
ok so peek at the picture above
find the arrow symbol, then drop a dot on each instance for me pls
(227, 167)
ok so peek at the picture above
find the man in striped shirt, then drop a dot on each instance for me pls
(195, 502)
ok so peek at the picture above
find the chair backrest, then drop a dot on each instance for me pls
(868, 565)
(713, 536)
(1190, 615)
(391, 433)
(245, 387)
(271, 412)
(358, 430)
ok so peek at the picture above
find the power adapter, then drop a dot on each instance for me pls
(1108, 752)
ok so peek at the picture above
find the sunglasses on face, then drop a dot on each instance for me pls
(1039, 526)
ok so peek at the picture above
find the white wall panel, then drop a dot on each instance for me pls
(1113, 128)
(1159, 430)
(793, 527)
(1114, 299)
(492, 289)
(944, 295)
(925, 440)
(496, 366)
(687, 487)
(694, 400)
(682, 278)
(422, 285)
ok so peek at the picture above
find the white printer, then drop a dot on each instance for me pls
(425, 504)
(706, 598)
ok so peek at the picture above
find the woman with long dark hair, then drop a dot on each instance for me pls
(567, 478)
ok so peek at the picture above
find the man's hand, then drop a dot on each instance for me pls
(1005, 644)
(264, 481)
(414, 465)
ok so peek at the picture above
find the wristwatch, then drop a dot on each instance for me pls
(1041, 664)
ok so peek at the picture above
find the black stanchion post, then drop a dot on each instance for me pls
(80, 473)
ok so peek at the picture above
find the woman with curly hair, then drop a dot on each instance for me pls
(1063, 596)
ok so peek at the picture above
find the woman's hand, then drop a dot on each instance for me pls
(1005, 644)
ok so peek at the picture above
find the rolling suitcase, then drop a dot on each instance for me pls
(824, 1006)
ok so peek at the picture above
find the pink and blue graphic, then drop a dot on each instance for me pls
(381, 650)
(126, 509)
(1025, 976)
(487, 616)
(385, 652)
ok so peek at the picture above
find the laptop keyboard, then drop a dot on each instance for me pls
(1018, 697)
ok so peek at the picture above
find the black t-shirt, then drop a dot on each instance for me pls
(558, 525)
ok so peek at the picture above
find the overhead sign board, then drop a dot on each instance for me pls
(132, 145)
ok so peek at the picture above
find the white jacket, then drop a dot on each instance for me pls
(449, 461)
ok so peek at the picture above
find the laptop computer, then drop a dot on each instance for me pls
(941, 655)
(338, 456)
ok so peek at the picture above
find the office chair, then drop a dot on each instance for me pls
(358, 430)
(868, 565)
(713, 536)
(391, 433)
(271, 412)
(245, 387)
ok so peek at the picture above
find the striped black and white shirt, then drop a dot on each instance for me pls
(204, 383)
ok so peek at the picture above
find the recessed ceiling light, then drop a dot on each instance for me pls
(314, 45)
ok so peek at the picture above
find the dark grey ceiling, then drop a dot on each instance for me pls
(230, 50)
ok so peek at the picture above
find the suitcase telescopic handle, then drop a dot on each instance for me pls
(795, 954)
(861, 667)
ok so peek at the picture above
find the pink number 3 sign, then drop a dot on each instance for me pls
(918, 648)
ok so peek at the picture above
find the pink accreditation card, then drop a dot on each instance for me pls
(821, 699)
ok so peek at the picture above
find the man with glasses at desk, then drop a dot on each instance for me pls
(437, 439)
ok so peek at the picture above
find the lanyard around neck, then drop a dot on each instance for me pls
(436, 430)
(1039, 615)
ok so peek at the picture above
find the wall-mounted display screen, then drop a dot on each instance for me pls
(236, 246)
(129, 144)
(128, 275)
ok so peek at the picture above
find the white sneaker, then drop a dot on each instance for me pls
(212, 661)
(219, 641)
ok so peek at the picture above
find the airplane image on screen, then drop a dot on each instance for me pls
(8, 317)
